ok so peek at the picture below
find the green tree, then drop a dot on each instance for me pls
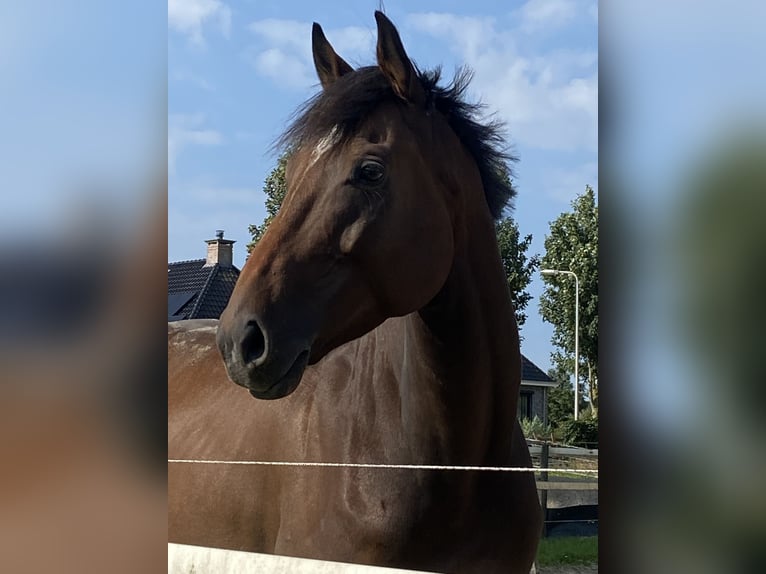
(519, 267)
(573, 246)
(561, 398)
(275, 188)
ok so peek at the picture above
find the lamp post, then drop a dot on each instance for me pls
(577, 334)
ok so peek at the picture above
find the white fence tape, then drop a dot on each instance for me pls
(381, 466)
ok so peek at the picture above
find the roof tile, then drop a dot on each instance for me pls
(212, 286)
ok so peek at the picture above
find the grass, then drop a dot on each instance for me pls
(569, 551)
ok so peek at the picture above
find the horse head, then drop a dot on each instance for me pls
(376, 195)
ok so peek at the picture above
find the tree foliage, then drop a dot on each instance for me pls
(572, 245)
(582, 433)
(519, 267)
(275, 188)
(561, 397)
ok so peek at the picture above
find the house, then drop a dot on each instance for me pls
(533, 396)
(200, 288)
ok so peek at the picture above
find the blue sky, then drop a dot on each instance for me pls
(237, 70)
(81, 103)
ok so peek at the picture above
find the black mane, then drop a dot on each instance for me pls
(351, 98)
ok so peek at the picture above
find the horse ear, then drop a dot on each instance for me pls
(328, 64)
(396, 66)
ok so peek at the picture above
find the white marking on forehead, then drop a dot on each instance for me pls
(325, 144)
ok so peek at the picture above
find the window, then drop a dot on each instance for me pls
(525, 405)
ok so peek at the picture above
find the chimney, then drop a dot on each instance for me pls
(219, 250)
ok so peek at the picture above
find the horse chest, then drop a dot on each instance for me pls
(369, 514)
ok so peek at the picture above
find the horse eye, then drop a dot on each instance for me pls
(371, 171)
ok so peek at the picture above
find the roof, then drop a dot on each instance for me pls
(531, 374)
(196, 291)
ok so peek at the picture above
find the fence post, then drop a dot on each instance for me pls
(544, 492)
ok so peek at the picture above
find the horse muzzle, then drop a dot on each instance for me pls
(252, 361)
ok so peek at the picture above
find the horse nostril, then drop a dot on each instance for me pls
(253, 343)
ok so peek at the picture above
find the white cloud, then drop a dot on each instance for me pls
(560, 65)
(548, 14)
(283, 50)
(186, 130)
(549, 101)
(353, 43)
(282, 67)
(549, 98)
(471, 34)
(546, 116)
(190, 16)
(349, 42)
(283, 33)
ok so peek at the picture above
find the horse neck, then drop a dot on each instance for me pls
(468, 337)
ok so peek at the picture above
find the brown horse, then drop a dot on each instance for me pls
(376, 310)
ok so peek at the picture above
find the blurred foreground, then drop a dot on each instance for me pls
(684, 154)
(83, 401)
(699, 468)
(82, 272)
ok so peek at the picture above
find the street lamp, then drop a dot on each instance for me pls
(577, 333)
